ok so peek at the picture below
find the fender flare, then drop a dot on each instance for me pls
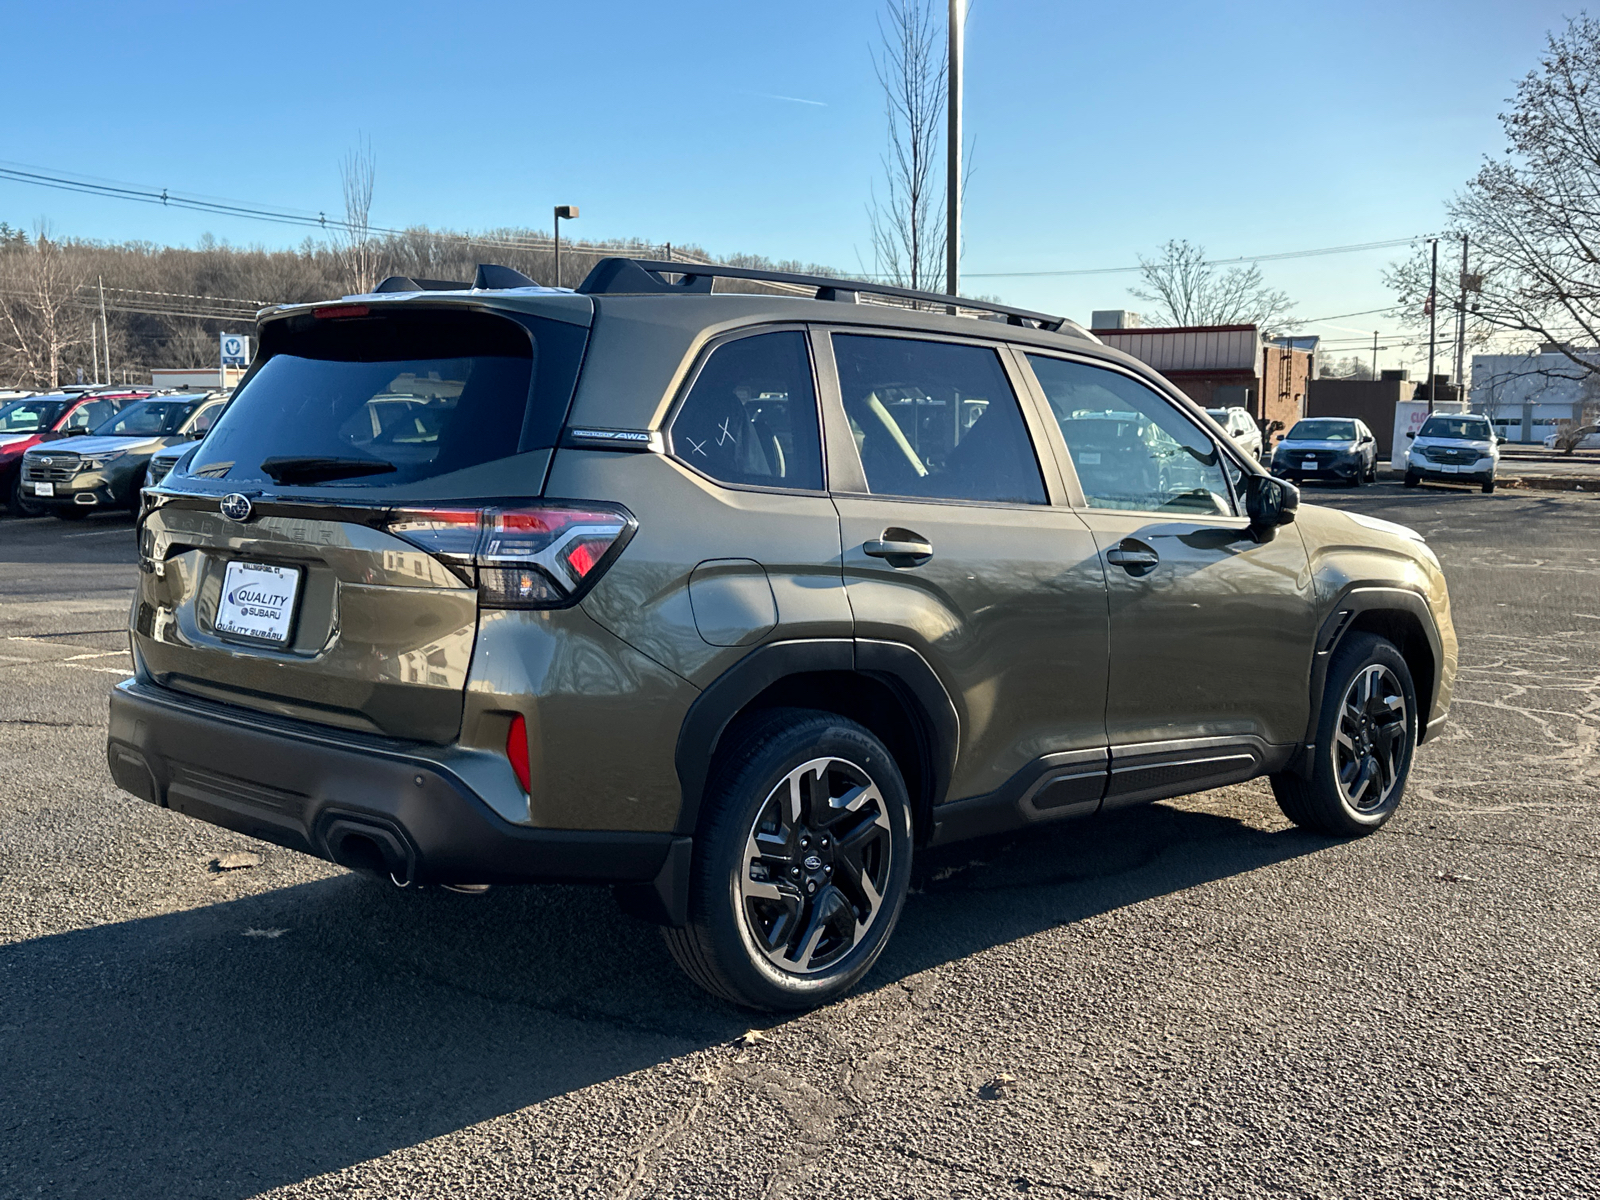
(1352, 601)
(901, 667)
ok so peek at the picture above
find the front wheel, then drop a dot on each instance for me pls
(1366, 736)
(1412, 479)
(802, 862)
(21, 505)
(1488, 485)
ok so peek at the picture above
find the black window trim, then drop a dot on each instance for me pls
(1183, 404)
(1020, 386)
(702, 355)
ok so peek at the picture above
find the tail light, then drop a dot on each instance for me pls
(537, 557)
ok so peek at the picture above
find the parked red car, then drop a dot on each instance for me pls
(33, 419)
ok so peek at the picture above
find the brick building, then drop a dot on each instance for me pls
(1219, 366)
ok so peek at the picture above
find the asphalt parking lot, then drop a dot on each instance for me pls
(1187, 999)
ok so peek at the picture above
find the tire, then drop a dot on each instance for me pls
(1362, 733)
(20, 505)
(1412, 480)
(1359, 479)
(1488, 486)
(1372, 472)
(72, 513)
(783, 929)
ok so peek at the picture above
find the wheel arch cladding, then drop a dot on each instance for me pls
(894, 695)
(1400, 617)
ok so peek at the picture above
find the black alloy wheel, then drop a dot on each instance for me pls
(802, 862)
(1366, 736)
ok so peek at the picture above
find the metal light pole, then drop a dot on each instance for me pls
(564, 212)
(1461, 327)
(1433, 321)
(952, 217)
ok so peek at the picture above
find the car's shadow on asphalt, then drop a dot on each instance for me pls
(229, 1049)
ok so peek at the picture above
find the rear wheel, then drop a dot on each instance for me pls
(1366, 736)
(802, 862)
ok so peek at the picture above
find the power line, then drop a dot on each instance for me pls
(1352, 248)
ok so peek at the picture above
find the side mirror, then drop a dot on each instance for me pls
(1411, 435)
(1270, 502)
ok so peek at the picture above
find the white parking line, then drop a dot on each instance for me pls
(98, 533)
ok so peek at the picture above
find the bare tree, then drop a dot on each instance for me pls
(908, 224)
(1188, 290)
(1534, 215)
(359, 252)
(41, 315)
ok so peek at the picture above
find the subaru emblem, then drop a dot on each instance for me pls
(813, 863)
(236, 507)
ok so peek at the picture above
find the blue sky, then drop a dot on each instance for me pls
(1100, 130)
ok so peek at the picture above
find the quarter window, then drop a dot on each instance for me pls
(751, 416)
(935, 419)
(1131, 447)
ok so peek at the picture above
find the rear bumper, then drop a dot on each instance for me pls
(313, 790)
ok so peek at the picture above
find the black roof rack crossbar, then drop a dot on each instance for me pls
(645, 275)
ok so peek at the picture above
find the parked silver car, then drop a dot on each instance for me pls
(1239, 425)
(1454, 448)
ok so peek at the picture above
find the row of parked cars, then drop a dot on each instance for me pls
(1448, 448)
(74, 451)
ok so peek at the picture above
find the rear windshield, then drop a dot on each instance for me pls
(29, 416)
(149, 418)
(1323, 431)
(1474, 429)
(374, 401)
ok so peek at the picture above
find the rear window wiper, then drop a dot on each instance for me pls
(319, 468)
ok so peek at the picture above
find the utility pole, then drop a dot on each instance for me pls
(1461, 327)
(1374, 353)
(105, 328)
(1433, 322)
(952, 170)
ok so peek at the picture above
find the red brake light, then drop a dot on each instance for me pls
(341, 310)
(517, 751)
(536, 557)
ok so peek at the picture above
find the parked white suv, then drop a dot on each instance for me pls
(1239, 425)
(1453, 448)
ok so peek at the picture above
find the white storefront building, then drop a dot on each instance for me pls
(1529, 396)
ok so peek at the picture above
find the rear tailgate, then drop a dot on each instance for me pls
(379, 634)
(271, 579)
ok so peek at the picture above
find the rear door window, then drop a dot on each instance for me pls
(751, 416)
(394, 398)
(936, 420)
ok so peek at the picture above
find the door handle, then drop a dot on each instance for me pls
(1133, 556)
(901, 547)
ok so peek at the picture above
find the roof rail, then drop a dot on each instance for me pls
(614, 276)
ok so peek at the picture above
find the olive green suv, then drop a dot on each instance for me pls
(739, 601)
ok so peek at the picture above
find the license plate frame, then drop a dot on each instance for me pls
(1309, 464)
(47, 490)
(262, 623)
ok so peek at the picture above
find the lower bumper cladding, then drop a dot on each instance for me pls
(380, 807)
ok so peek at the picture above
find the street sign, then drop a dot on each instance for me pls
(235, 350)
